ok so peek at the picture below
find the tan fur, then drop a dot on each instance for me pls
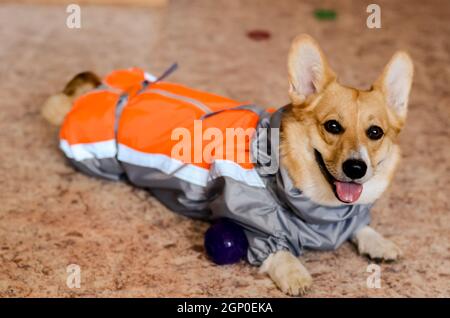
(287, 272)
(57, 106)
(374, 245)
(303, 131)
(316, 97)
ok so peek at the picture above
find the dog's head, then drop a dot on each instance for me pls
(345, 136)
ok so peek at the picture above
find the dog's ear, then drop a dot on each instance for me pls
(308, 69)
(395, 83)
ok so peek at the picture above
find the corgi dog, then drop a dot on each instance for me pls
(338, 146)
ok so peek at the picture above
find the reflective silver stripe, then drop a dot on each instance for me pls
(189, 100)
(251, 107)
(121, 103)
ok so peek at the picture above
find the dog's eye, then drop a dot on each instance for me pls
(374, 132)
(333, 127)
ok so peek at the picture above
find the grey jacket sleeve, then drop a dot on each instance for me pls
(271, 226)
(261, 217)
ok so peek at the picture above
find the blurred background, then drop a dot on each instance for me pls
(125, 242)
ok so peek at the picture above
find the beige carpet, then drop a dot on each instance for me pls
(125, 242)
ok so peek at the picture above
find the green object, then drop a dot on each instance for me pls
(325, 14)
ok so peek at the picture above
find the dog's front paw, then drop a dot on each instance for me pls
(375, 246)
(288, 273)
(380, 248)
(293, 281)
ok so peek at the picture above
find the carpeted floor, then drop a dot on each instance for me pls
(126, 243)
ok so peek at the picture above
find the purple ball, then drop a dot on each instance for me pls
(225, 242)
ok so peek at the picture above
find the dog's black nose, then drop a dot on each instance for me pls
(354, 169)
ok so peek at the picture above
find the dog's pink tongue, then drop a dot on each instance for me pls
(348, 192)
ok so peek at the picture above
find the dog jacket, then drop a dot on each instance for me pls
(131, 127)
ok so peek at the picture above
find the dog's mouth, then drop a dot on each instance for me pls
(347, 192)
